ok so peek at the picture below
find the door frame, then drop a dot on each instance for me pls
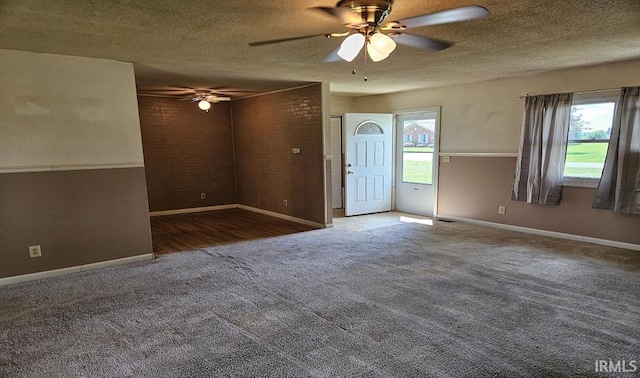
(436, 152)
(340, 158)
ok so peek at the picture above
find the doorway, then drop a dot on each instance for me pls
(337, 182)
(417, 136)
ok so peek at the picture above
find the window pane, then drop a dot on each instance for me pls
(589, 132)
(591, 121)
(585, 160)
(417, 158)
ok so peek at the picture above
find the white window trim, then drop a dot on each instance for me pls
(580, 182)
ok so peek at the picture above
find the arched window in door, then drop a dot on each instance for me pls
(368, 127)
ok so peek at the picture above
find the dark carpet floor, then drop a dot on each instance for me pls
(449, 300)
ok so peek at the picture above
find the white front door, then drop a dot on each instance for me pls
(368, 158)
(416, 163)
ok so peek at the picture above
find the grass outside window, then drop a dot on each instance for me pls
(585, 160)
(417, 165)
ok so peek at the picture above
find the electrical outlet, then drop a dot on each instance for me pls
(285, 202)
(203, 195)
(446, 158)
(35, 251)
(502, 209)
(296, 150)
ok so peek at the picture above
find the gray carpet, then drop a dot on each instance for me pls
(449, 300)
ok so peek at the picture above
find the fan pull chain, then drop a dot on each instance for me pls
(354, 71)
(365, 62)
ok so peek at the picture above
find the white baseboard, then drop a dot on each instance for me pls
(282, 216)
(244, 207)
(553, 234)
(192, 210)
(73, 269)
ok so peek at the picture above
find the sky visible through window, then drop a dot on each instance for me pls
(595, 117)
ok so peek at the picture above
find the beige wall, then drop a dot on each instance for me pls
(61, 110)
(486, 117)
(71, 164)
(342, 104)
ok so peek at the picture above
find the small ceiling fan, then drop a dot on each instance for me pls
(205, 100)
(203, 96)
(365, 19)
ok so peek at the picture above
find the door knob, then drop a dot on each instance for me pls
(349, 172)
(348, 165)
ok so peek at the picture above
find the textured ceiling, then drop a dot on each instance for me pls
(204, 43)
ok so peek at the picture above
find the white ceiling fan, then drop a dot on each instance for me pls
(206, 99)
(203, 96)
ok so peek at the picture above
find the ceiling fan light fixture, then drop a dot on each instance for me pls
(374, 54)
(382, 43)
(351, 46)
(204, 105)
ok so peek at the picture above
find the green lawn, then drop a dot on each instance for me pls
(584, 153)
(417, 149)
(587, 152)
(419, 172)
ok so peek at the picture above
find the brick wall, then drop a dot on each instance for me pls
(266, 128)
(187, 152)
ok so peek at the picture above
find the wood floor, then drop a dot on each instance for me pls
(185, 232)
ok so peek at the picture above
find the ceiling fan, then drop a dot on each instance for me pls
(365, 19)
(205, 100)
(203, 96)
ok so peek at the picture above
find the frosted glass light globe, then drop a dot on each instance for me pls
(204, 105)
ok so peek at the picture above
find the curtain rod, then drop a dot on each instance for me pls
(591, 91)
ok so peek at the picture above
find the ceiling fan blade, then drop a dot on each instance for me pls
(166, 92)
(160, 95)
(346, 16)
(218, 98)
(272, 41)
(333, 57)
(470, 12)
(420, 42)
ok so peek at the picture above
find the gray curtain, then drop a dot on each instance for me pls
(543, 147)
(619, 188)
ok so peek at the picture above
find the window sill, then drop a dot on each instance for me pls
(581, 182)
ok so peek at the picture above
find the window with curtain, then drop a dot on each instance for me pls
(543, 147)
(593, 140)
